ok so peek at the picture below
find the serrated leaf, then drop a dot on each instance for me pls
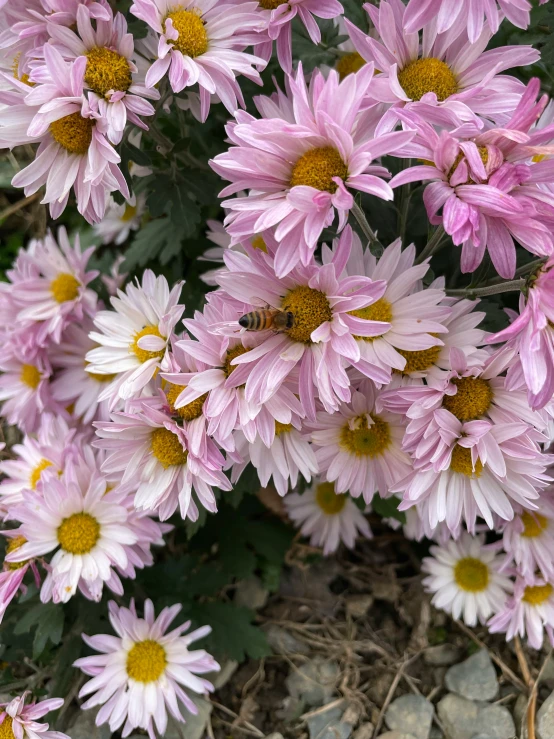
(149, 242)
(233, 636)
(388, 508)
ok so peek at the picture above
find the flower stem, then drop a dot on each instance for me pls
(367, 231)
(477, 292)
(433, 245)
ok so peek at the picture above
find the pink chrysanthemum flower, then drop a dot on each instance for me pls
(84, 524)
(532, 335)
(135, 340)
(13, 573)
(473, 13)
(150, 448)
(202, 42)
(488, 186)
(446, 79)
(529, 539)
(120, 220)
(327, 518)
(287, 455)
(57, 293)
(24, 387)
(139, 673)
(529, 613)
(324, 305)
(300, 162)
(20, 720)
(465, 579)
(359, 448)
(116, 91)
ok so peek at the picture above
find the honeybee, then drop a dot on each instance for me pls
(266, 318)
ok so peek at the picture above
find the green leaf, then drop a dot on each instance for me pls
(149, 242)
(388, 508)
(233, 636)
(49, 619)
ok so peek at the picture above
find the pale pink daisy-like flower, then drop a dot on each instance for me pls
(488, 185)
(202, 42)
(120, 220)
(134, 340)
(116, 279)
(446, 78)
(24, 387)
(465, 579)
(359, 448)
(20, 720)
(287, 456)
(13, 574)
(327, 518)
(139, 673)
(57, 292)
(529, 613)
(300, 162)
(529, 539)
(83, 523)
(73, 151)
(532, 335)
(149, 448)
(109, 74)
(323, 304)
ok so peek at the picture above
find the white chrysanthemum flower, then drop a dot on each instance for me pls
(121, 219)
(465, 579)
(327, 518)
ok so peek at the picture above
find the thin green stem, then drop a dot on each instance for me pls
(432, 246)
(477, 292)
(367, 231)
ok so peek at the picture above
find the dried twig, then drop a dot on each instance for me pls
(14, 207)
(532, 702)
(248, 727)
(392, 691)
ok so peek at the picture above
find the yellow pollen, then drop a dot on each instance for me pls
(282, 428)
(129, 213)
(73, 133)
(64, 287)
(461, 462)
(143, 354)
(381, 310)
(349, 64)
(471, 575)
(146, 661)
(271, 4)
(14, 544)
(533, 524)
(366, 440)
(428, 75)
(536, 595)
(421, 360)
(188, 412)
(237, 351)
(167, 448)
(472, 400)
(326, 498)
(539, 158)
(37, 471)
(310, 309)
(317, 167)
(6, 731)
(15, 69)
(30, 376)
(78, 533)
(106, 71)
(259, 243)
(193, 39)
(483, 153)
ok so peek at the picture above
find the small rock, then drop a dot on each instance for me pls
(274, 735)
(475, 678)
(411, 714)
(365, 731)
(195, 726)
(545, 719)
(464, 719)
(328, 724)
(358, 605)
(291, 709)
(251, 593)
(314, 682)
(85, 727)
(395, 735)
(520, 712)
(282, 641)
(221, 678)
(442, 655)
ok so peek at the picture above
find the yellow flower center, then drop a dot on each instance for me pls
(107, 70)
(282, 428)
(428, 75)
(533, 524)
(188, 412)
(310, 309)
(483, 153)
(472, 400)
(536, 595)
(366, 440)
(271, 4)
(349, 64)
(146, 661)
(73, 133)
(64, 287)
(381, 310)
(15, 69)
(129, 213)
(461, 462)
(237, 351)
(259, 243)
(30, 376)
(6, 731)
(421, 360)
(37, 471)
(193, 39)
(14, 544)
(167, 448)
(471, 575)
(79, 533)
(326, 498)
(317, 167)
(143, 354)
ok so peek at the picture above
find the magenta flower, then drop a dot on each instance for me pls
(21, 720)
(488, 186)
(13, 574)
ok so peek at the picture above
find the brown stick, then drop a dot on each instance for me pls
(392, 691)
(14, 207)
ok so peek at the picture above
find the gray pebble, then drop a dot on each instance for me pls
(282, 641)
(365, 731)
(411, 714)
(395, 735)
(328, 724)
(442, 655)
(545, 719)
(465, 719)
(314, 682)
(475, 678)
